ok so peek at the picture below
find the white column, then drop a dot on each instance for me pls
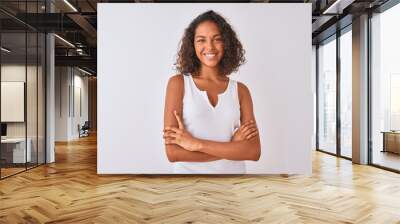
(50, 110)
(50, 93)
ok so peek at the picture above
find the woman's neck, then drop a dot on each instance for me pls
(210, 73)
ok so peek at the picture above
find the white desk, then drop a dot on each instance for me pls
(19, 149)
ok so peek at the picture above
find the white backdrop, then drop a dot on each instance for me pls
(137, 47)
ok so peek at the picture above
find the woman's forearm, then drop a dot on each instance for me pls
(237, 150)
(175, 153)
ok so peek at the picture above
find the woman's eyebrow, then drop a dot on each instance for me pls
(200, 36)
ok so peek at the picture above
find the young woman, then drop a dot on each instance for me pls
(209, 125)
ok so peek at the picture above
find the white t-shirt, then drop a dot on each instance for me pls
(204, 121)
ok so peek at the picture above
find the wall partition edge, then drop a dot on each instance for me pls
(0, 97)
(316, 98)
(26, 87)
(37, 89)
(37, 95)
(369, 83)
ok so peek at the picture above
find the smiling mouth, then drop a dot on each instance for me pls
(210, 55)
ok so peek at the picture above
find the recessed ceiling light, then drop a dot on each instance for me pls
(64, 40)
(337, 7)
(70, 5)
(5, 50)
(84, 71)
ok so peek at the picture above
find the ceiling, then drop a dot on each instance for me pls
(76, 22)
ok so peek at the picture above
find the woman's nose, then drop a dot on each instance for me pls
(210, 45)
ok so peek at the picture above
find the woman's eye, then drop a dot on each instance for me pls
(200, 41)
(218, 39)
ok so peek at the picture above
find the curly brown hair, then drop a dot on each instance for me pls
(233, 58)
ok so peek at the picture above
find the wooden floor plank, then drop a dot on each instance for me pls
(70, 191)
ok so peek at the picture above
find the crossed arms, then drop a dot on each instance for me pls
(180, 145)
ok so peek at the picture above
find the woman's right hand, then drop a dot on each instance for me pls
(180, 136)
(246, 131)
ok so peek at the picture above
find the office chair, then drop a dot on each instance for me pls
(84, 130)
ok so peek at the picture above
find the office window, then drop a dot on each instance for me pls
(346, 93)
(385, 88)
(327, 96)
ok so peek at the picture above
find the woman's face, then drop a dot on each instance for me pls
(208, 44)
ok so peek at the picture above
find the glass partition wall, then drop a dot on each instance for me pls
(385, 89)
(334, 81)
(22, 77)
(327, 95)
(13, 89)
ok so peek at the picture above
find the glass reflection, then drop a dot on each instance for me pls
(327, 96)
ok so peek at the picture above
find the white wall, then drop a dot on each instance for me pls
(61, 103)
(134, 65)
(68, 81)
(80, 84)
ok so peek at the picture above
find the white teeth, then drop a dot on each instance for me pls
(210, 55)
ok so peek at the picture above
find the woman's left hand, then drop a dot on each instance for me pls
(180, 136)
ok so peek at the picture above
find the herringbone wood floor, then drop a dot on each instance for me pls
(70, 191)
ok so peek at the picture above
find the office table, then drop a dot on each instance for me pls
(391, 141)
(13, 150)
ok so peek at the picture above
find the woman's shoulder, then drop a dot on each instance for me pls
(242, 89)
(175, 83)
(176, 79)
